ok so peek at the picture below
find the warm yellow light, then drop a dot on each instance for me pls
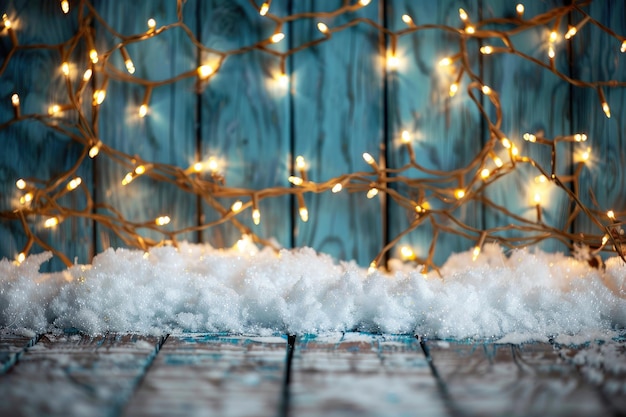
(606, 109)
(197, 167)
(51, 222)
(485, 173)
(6, 21)
(519, 9)
(65, 6)
(87, 75)
(554, 36)
(372, 268)
(15, 100)
(407, 19)
(277, 37)
(74, 183)
(623, 48)
(580, 137)
(498, 161)
(541, 179)
(486, 90)
(94, 151)
(393, 62)
(529, 137)
(296, 180)
(322, 27)
(373, 192)
(300, 162)
(21, 257)
(610, 214)
(459, 193)
(128, 178)
(143, 110)
(20, 184)
(204, 71)
(551, 52)
(445, 62)
(454, 88)
(54, 109)
(486, 50)
(256, 216)
(265, 7)
(99, 96)
(283, 80)
(537, 198)
(151, 24)
(26, 198)
(304, 214)
(463, 15)
(407, 253)
(470, 29)
(368, 158)
(236, 207)
(605, 239)
(213, 165)
(571, 31)
(336, 188)
(65, 69)
(364, 2)
(585, 155)
(405, 137)
(514, 150)
(475, 253)
(162, 220)
(140, 169)
(130, 67)
(93, 55)
(506, 143)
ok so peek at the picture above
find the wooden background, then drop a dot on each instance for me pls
(341, 102)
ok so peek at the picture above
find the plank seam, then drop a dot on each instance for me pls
(16, 357)
(284, 401)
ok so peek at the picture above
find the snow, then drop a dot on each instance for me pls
(514, 297)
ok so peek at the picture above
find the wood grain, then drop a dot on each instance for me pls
(12, 346)
(338, 115)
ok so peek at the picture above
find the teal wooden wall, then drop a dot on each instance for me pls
(341, 102)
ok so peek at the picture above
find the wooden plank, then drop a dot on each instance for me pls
(362, 375)
(493, 380)
(31, 150)
(245, 117)
(208, 374)
(74, 375)
(167, 134)
(337, 115)
(445, 131)
(597, 57)
(533, 100)
(12, 346)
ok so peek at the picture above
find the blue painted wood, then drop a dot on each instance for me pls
(12, 346)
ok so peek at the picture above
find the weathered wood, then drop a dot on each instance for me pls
(533, 100)
(362, 375)
(74, 375)
(167, 134)
(204, 374)
(29, 149)
(518, 380)
(244, 116)
(12, 346)
(445, 131)
(338, 115)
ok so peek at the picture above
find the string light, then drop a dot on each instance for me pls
(99, 96)
(407, 253)
(277, 37)
(520, 10)
(364, 2)
(162, 220)
(74, 183)
(264, 9)
(51, 222)
(463, 15)
(486, 90)
(93, 55)
(408, 20)
(130, 66)
(256, 216)
(21, 257)
(459, 193)
(15, 101)
(486, 50)
(237, 206)
(26, 198)
(94, 151)
(322, 27)
(373, 192)
(20, 184)
(337, 188)
(151, 25)
(65, 6)
(370, 160)
(65, 69)
(623, 47)
(205, 71)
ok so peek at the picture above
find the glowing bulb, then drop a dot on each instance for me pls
(277, 37)
(459, 193)
(393, 62)
(99, 96)
(65, 6)
(463, 15)
(541, 179)
(151, 24)
(372, 268)
(143, 110)
(87, 75)
(336, 188)
(498, 162)
(130, 67)
(322, 27)
(94, 151)
(204, 71)
(21, 257)
(236, 207)
(6, 21)
(580, 137)
(554, 36)
(454, 88)
(519, 9)
(407, 253)
(20, 184)
(26, 198)
(296, 180)
(256, 216)
(445, 62)
(606, 109)
(162, 220)
(514, 150)
(529, 137)
(213, 165)
(93, 55)
(475, 253)
(585, 155)
(372, 192)
(486, 90)
(610, 214)
(605, 239)
(470, 29)
(300, 163)
(265, 7)
(486, 50)
(551, 52)
(74, 183)
(405, 136)
(537, 198)
(197, 167)
(364, 2)
(65, 69)
(15, 100)
(368, 158)
(484, 174)
(506, 143)
(140, 169)
(407, 19)
(51, 222)
(54, 109)
(128, 178)
(304, 214)
(623, 48)
(571, 32)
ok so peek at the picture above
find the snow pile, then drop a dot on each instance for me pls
(523, 296)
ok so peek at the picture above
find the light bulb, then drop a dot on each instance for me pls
(256, 216)
(486, 90)
(373, 192)
(519, 9)
(143, 110)
(265, 7)
(15, 100)
(204, 71)
(151, 24)
(51, 222)
(475, 253)
(407, 19)
(130, 67)
(65, 6)
(236, 207)
(445, 62)
(463, 15)
(484, 174)
(74, 183)
(65, 69)
(99, 96)
(162, 220)
(606, 109)
(87, 75)
(454, 88)
(364, 2)
(322, 27)
(296, 180)
(610, 214)
(486, 50)
(94, 151)
(20, 184)
(470, 29)
(93, 55)
(407, 253)
(337, 188)
(304, 214)
(459, 193)
(571, 32)
(277, 37)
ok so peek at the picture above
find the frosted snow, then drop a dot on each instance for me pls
(519, 296)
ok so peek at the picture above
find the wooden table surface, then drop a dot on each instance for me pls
(343, 374)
